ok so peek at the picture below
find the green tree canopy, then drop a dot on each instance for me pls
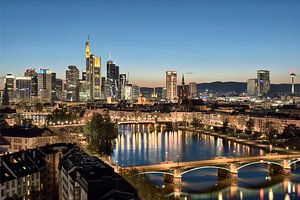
(101, 132)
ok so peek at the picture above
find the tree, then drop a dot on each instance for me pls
(101, 131)
(270, 131)
(39, 107)
(289, 131)
(225, 126)
(5, 97)
(196, 123)
(250, 125)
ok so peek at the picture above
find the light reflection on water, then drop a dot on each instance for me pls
(141, 145)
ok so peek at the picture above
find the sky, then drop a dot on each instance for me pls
(208, 40)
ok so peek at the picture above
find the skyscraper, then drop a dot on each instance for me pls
(10, 84)
(252, 87)
(23, 89)
(122, 84)
(44, 85)
(93, 74)
(72, 79)
(113, 78)
(171, 86)
(263, 82)
(193, 89)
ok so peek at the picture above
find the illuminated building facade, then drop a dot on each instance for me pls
(171, 86)
(23, 89)
(263, 82)
(72, 78)
(252, 87)
(93, 74)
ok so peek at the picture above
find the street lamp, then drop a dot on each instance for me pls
(233, 155)
(166, 156)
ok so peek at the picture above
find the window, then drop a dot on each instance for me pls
(2, 193)
(7, 185)
(13, 183)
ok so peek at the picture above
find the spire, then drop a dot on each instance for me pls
(88, 36)
(109, 55)
(182, 80)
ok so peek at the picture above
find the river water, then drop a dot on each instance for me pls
(142, 145)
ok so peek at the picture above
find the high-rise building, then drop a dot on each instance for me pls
(252, 87)
(23, 89)
(113, 78)
(9, 81)
(193, 89)
(263, 82)
(82, 90)
(122, 84)
(171, 86)
(93, 74)
(72, 78)
(31, 72)
(44, 85)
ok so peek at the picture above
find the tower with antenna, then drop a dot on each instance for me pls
(293, 75)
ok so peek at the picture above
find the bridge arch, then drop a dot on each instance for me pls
(259, 162)
(294, 161)
(204, 167)
(156, 172)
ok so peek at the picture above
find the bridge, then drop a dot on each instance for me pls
(139, 120)
(227, 167)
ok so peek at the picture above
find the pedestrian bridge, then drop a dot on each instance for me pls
(227, 167)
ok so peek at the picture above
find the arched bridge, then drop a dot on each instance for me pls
(227, 167)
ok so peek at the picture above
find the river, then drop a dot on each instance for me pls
(142, 145)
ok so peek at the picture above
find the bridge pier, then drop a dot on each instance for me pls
(285, 169)
(175, 178)
(231, 173)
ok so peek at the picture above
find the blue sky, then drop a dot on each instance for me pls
(215, 40)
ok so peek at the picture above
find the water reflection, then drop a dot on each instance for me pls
(142, 145)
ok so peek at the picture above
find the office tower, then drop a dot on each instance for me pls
(72, 77)
(122, 84)
(252, 87)
(23, 89)
(59, 88)
(193, 89)
(263, 82)
(93, 74)
(9, 80)
(83, 76)
(44, 85)
(131, 92)
(53, 87)
(293, 75)
(31, 72)
(82, 90)
(171, 86)
(113, 78)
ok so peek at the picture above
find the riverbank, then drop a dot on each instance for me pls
(248, 142)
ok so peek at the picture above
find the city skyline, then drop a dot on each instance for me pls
(215, 41)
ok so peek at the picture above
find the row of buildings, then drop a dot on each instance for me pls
(60, 171)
